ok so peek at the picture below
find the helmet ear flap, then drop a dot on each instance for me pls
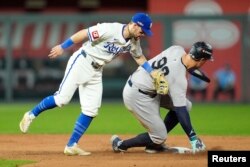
(193, 53)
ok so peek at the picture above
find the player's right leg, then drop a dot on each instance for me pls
(61, 97)
(45, 104)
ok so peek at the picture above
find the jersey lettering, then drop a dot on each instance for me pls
(112, 48)
(161, 64)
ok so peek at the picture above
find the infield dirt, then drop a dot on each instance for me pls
(47, 151)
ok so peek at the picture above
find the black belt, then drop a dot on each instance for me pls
(95, 65)
(150, 94)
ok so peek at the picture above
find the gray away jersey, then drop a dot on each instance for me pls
(169, 61)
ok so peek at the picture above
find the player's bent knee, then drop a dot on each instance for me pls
(159, 138)
(61, 101)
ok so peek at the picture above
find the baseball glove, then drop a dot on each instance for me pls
(160, 82)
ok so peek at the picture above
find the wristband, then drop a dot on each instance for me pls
(147, 67)
(67, 43)
(193, 138)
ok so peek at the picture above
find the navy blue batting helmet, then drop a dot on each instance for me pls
(201, 50)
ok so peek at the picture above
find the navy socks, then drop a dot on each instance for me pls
(81, 126)
(140, 140)
(45, 104)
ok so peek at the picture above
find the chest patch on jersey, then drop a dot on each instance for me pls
(95, 35)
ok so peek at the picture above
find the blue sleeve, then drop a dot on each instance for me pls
(184, 119)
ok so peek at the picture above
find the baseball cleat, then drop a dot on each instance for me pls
(116, 142)
(75, 150)
(25, 122)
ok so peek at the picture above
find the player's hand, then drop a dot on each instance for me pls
(197, 145)
(160, 82)
(56, 51)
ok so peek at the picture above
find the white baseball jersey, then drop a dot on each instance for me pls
(169, 61)
(106, 41)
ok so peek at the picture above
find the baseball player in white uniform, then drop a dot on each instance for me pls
(104, 42)
(141, 99)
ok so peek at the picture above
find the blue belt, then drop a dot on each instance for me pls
(150, 94)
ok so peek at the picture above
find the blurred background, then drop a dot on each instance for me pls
(29, 28)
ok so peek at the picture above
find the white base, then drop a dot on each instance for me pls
(182, 150)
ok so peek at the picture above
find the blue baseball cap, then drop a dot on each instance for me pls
(144, 21)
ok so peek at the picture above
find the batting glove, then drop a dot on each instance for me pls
(197, 145)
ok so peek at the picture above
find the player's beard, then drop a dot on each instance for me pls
(130, 35)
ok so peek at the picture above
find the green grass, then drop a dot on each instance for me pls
(113, 118)
(207, 119)
(221, 119)
(13, 163)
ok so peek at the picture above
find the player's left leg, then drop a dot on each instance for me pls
(81, 126)
(45, 104)
(90, 98)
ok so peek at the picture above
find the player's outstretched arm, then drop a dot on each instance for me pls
(56, 51)
(76, 38)
(80, 36)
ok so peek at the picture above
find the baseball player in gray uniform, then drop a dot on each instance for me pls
(104, 42)
(140, 98)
